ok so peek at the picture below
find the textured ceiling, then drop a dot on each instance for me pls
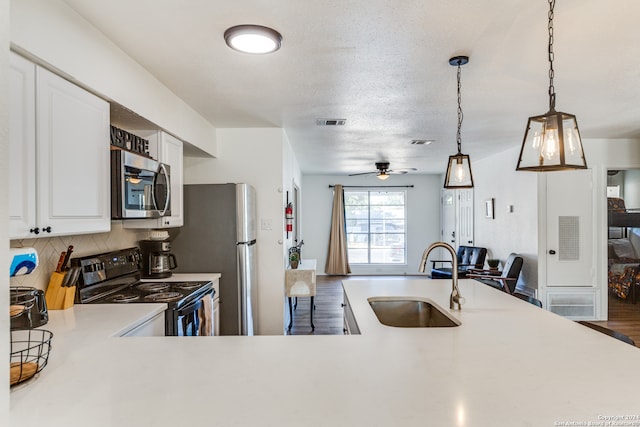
(383, 66)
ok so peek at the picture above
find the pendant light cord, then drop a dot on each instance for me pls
(460, 116)
(552, 89)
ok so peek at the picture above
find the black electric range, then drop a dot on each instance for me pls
(114, 278)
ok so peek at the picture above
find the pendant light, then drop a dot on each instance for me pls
(459, 168)
(551, 141)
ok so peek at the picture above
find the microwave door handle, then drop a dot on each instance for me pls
(162, 170)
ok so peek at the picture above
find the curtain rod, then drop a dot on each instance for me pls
(374, 186)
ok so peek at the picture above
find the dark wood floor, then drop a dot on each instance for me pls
(327, 317)
(624, 317)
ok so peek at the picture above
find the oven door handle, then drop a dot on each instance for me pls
(194, 305)
(188, 312)
(162, 171)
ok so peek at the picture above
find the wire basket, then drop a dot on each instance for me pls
(29, 353)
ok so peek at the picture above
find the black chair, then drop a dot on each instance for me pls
(527, 298)
(506, 279)
(615, 334)
(469, 257)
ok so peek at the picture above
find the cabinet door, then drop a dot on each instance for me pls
(171, 149)
(72, 158)
(22, 148)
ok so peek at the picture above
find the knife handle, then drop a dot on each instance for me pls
(66, 258)
(61, 262)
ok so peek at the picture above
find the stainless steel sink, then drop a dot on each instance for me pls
(406, 312)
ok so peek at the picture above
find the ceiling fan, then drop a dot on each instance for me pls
(383, 171)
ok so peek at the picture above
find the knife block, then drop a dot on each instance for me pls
(55, 294)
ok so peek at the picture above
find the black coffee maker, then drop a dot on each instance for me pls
(157, 260)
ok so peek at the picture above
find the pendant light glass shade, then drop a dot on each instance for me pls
(551, 141)
(459, 172)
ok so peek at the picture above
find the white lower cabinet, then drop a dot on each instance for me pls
(350, 325)
(59, 152)
(166, 149)
(153, 327)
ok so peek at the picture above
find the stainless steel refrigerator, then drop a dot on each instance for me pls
(219, 236)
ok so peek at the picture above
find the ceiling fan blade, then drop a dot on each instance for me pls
(363, 173)
(401, 171)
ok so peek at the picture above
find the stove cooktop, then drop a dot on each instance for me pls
(114, 278)
(173, 293)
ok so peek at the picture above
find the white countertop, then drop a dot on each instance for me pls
(508, 364)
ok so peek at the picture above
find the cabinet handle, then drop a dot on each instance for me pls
(47, 229)
(35, 230)
(343, 305)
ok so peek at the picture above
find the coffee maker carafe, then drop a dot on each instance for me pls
(157, 261)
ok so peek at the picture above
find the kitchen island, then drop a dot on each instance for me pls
(509, 363)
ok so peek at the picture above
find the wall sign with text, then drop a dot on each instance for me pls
(128, 141)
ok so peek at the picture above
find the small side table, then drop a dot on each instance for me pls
(301, 282)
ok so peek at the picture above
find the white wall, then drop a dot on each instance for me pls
(423, 217)
(255, 156)
(56, 36)
(496, 177)
(4, 212)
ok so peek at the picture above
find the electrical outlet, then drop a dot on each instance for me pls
(266, 224)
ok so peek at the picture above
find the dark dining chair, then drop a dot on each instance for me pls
(529, 299)
(505, 279)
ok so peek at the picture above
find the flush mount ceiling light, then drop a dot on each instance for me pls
(459, 168)
(551, 141)
(253, 39)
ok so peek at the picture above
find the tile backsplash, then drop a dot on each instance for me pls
(49, 249)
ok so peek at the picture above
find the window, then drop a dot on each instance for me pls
(375, 226)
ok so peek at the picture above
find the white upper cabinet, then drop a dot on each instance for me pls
(166, 149)
(69, 161)
(22, 147)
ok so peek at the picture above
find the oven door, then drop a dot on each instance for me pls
(195, 319)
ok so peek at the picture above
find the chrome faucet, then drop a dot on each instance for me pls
(455, 300)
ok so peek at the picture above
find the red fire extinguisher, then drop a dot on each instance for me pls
(288, 214)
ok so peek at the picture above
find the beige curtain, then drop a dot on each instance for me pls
(337, 256)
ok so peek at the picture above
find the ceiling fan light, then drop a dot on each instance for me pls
(552, 143)
(458, 173)
(382, 175)
(253, 39)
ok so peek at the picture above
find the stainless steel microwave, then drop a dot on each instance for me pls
(140, 186)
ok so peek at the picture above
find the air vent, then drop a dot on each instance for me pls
(421, 141)
(331, 122)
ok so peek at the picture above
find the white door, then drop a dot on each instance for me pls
(569, 217)
(448, 230)
(465, 217)
(72, 158)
